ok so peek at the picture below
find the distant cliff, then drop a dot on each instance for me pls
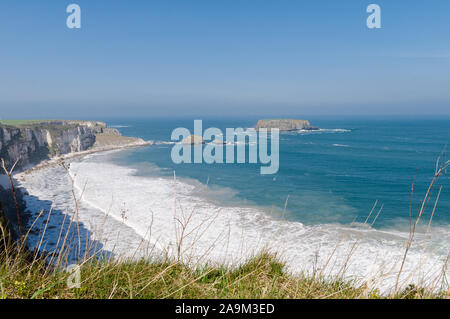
(285, 125)
(34, 141)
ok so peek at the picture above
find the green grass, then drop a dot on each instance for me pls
(261, 277)
(35, 123)
(23, 122)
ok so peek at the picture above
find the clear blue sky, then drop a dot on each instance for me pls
(223, 57)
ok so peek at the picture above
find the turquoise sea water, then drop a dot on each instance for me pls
(331, 176)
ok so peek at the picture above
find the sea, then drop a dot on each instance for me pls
(342, 203)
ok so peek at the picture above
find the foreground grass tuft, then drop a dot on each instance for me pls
(261, 277)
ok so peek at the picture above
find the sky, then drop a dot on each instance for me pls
(223, 58)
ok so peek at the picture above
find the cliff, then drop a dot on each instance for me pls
(34, 141)
(285, 125)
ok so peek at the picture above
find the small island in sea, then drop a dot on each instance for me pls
(285, 125)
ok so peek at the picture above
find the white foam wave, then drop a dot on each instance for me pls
(335, 130)
(319, 131)
(164, 143)
(332, 130)
(341, 145)
(154, 208)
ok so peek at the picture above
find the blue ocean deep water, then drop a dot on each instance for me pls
(330, 176)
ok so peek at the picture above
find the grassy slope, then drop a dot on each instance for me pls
(262, 277)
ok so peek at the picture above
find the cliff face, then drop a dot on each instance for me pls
(32, 142)
(285, 125)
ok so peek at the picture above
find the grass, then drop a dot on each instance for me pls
(261, 277)
(23, 122)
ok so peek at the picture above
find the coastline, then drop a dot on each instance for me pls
(57, 159)
(19, 178)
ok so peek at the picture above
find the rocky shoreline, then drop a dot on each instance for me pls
(38, 145)
(58, 159)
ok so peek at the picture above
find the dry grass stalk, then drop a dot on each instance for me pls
(13, 191)
(439, 171)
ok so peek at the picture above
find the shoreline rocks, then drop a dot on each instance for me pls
(193, 139)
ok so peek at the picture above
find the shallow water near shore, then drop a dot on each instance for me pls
(326, 187)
